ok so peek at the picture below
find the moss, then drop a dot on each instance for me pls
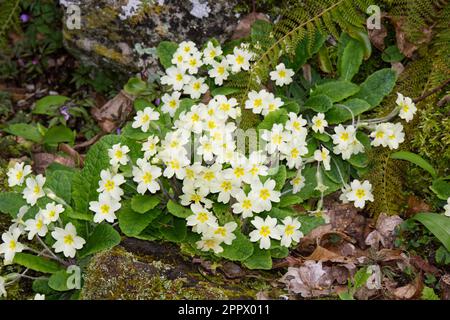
(100, 18)
(119, 274)
(110, 53)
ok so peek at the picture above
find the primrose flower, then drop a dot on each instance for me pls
(360, 193)
(298, 182)
(187, 48)
(210, 243)
(281, 75)
(319, 123)
(290, 231)
(257, 101)
(144, 117)
(145, 175)
(201, 220)
(265, 230)
(16, 175)
(110, 184)
(297, 125)
(36, 226)
(276, 138)
(407, 107)
(323, 156)
(176, 77)
(195, 195)
(149, 147)
(219, 72)
(51, 212)
(239, 60)
(395, 135)
(67, 240)
(118, 155)
(33, 190)
(11, 244)
(265, 194)
(105, 208)
(171, 102)
(195, 88)
(194, 62)
(245, 205)
(210, 53)
(292, 152)
(223, 233)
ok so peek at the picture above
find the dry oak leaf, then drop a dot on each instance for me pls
(114, 112)
(410, 291)
(384, 232)
(244, 26)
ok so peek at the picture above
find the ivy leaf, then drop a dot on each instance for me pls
(278, 116)
(240, 250)
(178, 210)
(144, 203)
(319, 103)
(49, 105)
(336, 90)
(36, 263)
(165, 52)
(260, 259)
(132, 223)
(377, 86)
(103, 237)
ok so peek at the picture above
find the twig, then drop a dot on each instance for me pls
(72, 153)
(89, 142)
(429, 93)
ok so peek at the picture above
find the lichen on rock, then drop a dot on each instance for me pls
(106, 39)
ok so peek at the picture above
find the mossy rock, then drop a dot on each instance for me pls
(106, 40)
(158, 271)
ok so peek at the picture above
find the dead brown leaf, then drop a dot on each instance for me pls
(244, 26)
(377, 37)
(410, 291)
(384, 232)
(423, 265)
(445, 287)
(42, 160)
(114, 112)
(416, 205)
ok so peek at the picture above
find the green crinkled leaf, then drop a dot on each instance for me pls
(60, 182)
(392, 54)
(305, 49)
(24, 130)
(10, 203)
(350, 60)
(240, 250)
(360, 160)
(377, 86)
(49, 105)
(339, 113)
(280, 252)
(135, 86)
(441, 188)
(438, 224)
(309, 222)
(336, 90)
(319, 103)
(58, 281)
(132, 223)
(59, 134)
(85, 182)
(165, 52)
(289, 200)
(185, 106)
(103, 237)
(36, 263)
(178, 210)
(278, 116)
(225, 91)
(260, 259)
(144, 203)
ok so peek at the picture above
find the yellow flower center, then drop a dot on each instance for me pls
(240, 59)
(344, 136)
(318, 123)
(225, 107)
(264, 231)
(282, 73)
(210, 243)
(147, 178)
(297, 181)
(289, 230)
(175, 164)
(257, 103)
(226, 186)
(208, 176)
(239, 172)
(360, 193)
(109, 185)
(196, 198)
(264, 194)
(212, 54)
(119, 154)
(254, 170)
(296, 125)
(193, 62)
(68, 239)
(221, 231)
(19, 175)
(104, 209)
(195, 117)
(179, 77)
(145, 118)
(173, 104)
(295, 153)
(197, 86)
(12, 245)
(190, 174)
(211, 124)
(202, 217)
(277, 139)
(36, 189)
(246, 204)
(221, 70)
(52, 213)
(379, 134)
